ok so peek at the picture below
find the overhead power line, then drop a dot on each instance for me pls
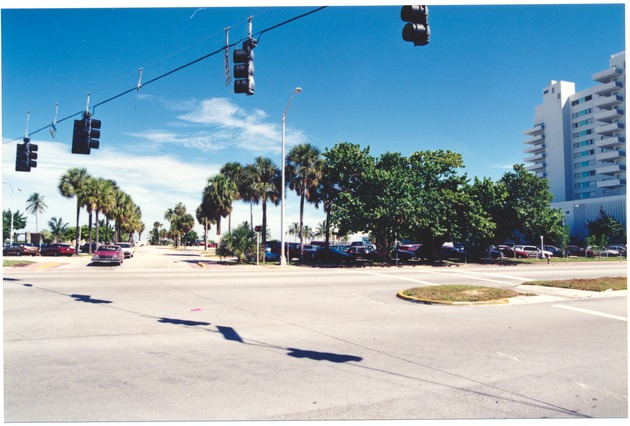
(159, 77)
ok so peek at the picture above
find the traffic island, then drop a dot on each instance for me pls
(459, 295)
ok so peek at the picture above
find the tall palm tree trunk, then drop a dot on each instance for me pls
(78, 230)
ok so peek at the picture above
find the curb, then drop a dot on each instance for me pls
(402, 296)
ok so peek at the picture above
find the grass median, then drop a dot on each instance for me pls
(454, 294)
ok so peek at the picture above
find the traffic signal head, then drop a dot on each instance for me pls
(417, 28)
(257, 228)
(94, 132)
(86, 135)
(25, 156)
(21, 159)
(31, 149)
(244, 68)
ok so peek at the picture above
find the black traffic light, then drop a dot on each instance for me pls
(85, 135)
(21, 159)
(25, 156)
(257, 228)
(417, 28)
(244, 68)
(31, 150)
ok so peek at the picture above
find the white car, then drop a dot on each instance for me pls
(533, 251)
(128, 249)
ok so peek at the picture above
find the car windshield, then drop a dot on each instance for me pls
(108, 248)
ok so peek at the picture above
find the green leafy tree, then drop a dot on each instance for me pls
(19, 222)
(241, 242)
(605, 228)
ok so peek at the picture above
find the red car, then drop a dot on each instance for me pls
(108, 253)
(57, 249)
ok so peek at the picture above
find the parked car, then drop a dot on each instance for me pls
(309, 251)
(535, 252)
(579, 251)
(621, 249)
(128, 249)
(364, 253)
(507, 252)
(107, 254)
(555, 251)
(334, 254)
(86, 248)
(57, 249)
(597, 251)
(19, 249)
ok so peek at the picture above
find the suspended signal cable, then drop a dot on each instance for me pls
(135, 88)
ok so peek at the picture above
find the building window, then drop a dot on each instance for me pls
(584, 195)
(585, 185)
(585, 174)
(581, 113)
(583, 143)
(582, 100)
(582, 123)
(583, 133)
(584, 153)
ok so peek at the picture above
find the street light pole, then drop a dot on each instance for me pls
(12, 213)
(283, 260)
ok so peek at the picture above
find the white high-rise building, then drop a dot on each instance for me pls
(578, 143)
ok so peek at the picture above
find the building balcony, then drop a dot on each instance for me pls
(608, 101)
(538, 129)
(612, 170)
(535, 140)
(608, 89)
(535, 149)
(607, 75)
(615, 183)
(611, 142)
(610, 156)
(608, 115)
(535, 158)
(537, 168)
(610, 129)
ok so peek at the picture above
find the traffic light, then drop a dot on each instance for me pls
(31, 150)
(257, 228)
(85, 135)
(244, 68)
(25, 156)
(417, 28)
(21, 159)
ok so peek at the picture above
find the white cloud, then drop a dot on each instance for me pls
(155, 183)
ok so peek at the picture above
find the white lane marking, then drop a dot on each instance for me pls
(586, 311)
(507, 356)
(397, 277)
(472, 277)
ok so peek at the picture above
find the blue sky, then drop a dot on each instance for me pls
(472, 89)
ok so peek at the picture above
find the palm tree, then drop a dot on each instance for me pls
(35, 205)
(264, 178)
(57, 228)
(304, 170)
(232, 170)
(72, 184)
(294, 229)
(217, 198)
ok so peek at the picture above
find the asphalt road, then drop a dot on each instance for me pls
(167, 338)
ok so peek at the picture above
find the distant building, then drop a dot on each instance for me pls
(578, 143)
